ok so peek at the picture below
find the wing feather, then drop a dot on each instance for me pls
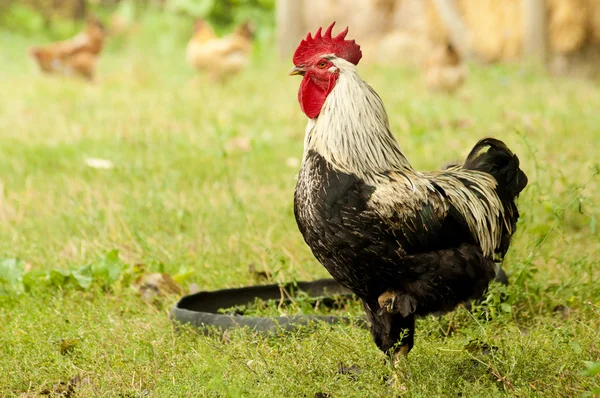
(435, 210)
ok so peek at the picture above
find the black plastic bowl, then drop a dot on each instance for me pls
(201, 309)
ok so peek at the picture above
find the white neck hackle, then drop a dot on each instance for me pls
(352, 131)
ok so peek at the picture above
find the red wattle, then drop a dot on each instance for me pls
(313, 92)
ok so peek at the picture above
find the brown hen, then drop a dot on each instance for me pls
(73, 57)
(219, 56)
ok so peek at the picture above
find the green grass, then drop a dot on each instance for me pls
(179, 199)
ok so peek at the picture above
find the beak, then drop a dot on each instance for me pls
(297, 70)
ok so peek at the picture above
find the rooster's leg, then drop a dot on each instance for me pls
(392, 332)
(404, 329)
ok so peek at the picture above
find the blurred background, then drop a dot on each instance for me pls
(185, 88)
(561, 32)
(564, 34)
(164, 137)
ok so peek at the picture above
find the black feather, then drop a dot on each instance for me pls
(430, 261)
(501, 163)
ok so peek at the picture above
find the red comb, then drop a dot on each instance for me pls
(326, 44)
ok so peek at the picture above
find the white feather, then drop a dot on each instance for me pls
(352, 133)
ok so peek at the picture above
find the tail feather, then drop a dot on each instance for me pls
(501, 163)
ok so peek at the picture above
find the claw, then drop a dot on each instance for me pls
(386, 302)
(394, 302)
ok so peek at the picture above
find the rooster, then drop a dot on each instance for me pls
(407, 243)
(219, 56)
(74, 57)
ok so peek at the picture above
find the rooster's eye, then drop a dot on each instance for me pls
(321, 64)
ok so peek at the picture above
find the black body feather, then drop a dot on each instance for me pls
(430, 257)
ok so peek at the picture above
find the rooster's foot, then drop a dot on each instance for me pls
(394, 302)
